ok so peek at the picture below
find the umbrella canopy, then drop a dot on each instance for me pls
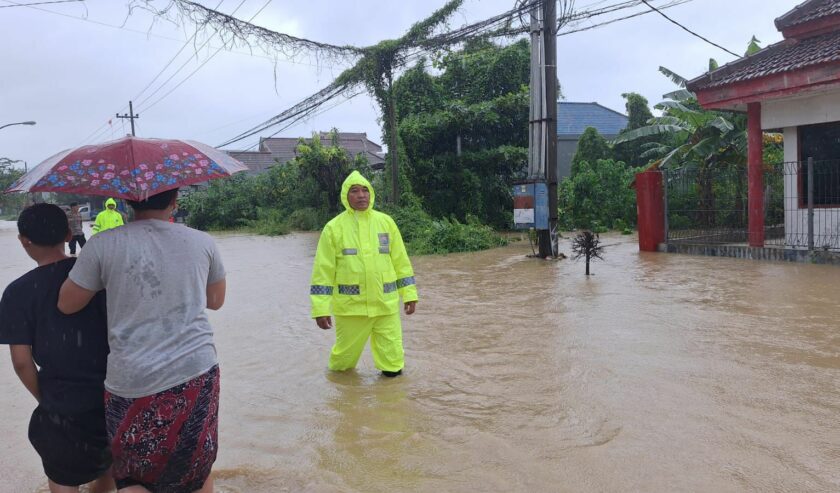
(128, 168)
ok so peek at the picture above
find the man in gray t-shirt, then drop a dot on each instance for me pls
(159, 277)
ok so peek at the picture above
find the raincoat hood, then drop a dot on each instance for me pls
(111, 202)
(356, 178)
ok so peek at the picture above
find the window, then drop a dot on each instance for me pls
(822, 143)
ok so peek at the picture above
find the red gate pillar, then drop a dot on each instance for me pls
(650, 209)
(755, 176)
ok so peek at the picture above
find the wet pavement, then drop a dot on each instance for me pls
(659, 373)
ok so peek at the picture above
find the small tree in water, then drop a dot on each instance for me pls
(587, 244)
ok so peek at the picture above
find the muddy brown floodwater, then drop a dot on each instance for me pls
(659, 373)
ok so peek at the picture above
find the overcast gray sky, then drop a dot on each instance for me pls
(66, 67)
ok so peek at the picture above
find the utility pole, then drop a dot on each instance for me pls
(131, 116)
(550, 37)
(550, 20)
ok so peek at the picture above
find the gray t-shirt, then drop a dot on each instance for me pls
(155, 274)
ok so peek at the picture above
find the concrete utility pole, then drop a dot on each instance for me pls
(542, 141)
(549, 238)
(131, 116)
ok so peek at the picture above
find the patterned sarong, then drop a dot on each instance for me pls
(166, 442)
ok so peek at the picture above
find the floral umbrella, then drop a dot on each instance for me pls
(128, 168)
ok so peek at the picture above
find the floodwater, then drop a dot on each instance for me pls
(659, 373)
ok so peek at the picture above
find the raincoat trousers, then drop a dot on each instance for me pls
(107, 219)
(361, 270)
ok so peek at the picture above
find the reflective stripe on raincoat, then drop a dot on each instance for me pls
(361, 266)
(107, 219)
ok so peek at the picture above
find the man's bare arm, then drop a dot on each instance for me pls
(25, 368)
(216, 294)
(72, 297)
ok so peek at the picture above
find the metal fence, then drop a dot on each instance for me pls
(808, 214)
(706, 205)
(801, 205)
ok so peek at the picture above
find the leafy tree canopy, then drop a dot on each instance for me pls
(591, 148)
(464, 129)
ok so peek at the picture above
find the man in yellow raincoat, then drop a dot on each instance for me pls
(110, 218)
(361, 270)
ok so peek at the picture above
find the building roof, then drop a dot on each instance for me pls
(257, 162)
(808, 11)
(784, 56)
(281, 150)
(574, 118)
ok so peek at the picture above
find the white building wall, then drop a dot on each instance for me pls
(796, 218)
(819, 108)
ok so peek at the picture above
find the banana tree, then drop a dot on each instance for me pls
(707, 140)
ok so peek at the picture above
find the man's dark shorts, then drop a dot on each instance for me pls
(166, 442)
(74, 449)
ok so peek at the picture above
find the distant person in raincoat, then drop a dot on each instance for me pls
(361, 270)
(110, 218)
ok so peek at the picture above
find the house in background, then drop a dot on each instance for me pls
(793, 85)
(281, 150)
(573, 119)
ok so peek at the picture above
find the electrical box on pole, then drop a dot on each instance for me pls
(530, 206)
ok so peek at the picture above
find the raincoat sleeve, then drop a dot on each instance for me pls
(97, 224)
(323, 275)
(119, 220)
(402, 266)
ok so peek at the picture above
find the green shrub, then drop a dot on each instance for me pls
(307, 219)
(269, 222)
(598, 197)
(450, 235)
(423, 234)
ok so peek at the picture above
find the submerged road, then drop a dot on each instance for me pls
(659, 373)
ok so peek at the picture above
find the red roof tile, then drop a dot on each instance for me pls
(785, 56)
(808, 11)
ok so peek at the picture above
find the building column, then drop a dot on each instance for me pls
(755, 176)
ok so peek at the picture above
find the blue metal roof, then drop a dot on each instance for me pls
(574, 118)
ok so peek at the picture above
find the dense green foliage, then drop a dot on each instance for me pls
(638, 114)
(591, 148)
(705, 153)
(425, 235)
(463, 139)
(304, 194)
(301, 194)
(598, 197)
(464, 131)
(10, 203)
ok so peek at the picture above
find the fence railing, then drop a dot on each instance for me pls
(808, 214)
(801, 205)
(706, 206)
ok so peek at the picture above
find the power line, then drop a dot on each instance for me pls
(306, 117)
(152, 35)
(489, 27)
(617, 19)
(148, 97)
(202, 64)
(174, 57)
(36, 3)
(245, 31)
(689, 30)
(313, 102)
